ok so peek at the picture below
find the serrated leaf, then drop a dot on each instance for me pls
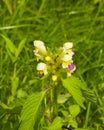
(30, 111)
(56, 124)
(73, 85)
(20, 47)
(73, 123)
(89, 95)
(74, 110)
(38, 122)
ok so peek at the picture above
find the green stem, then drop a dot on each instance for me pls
(54, 102)
(87, 115)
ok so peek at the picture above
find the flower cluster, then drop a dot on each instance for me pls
(50, 64)
(67, 61)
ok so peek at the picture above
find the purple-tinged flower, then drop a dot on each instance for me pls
(67, 48)
(42, 69)
(71, 67)
(66, 60)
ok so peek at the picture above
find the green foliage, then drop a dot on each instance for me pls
(84, 129)
(12, 50)
(30, 111)
(15, 83)
(73, 85)
(56, 124)
(74, 110)
(54, 22)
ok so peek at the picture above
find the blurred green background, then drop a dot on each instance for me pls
(54, 22)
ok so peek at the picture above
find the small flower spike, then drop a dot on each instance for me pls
(67, 61)
(56, 63)
(42, 69)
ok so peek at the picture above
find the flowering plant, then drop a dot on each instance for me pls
(50, 63)
(55, 69)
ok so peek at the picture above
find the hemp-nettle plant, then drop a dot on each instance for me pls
(56, 104)
(57, 64)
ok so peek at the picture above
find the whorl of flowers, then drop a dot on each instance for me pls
(54, 64)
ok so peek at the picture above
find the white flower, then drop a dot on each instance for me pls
(66, 60)
(42, 68)
(38, 55)
(67, 48)
(68, 45)
(67, 57)
(38, 43)
(40, 47)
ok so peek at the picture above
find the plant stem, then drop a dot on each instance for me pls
(54, 102)
(87, 115)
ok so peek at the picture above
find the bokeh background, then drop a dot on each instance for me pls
(54, 22)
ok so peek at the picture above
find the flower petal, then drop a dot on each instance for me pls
(41, 66)
(68, 45)
(40, 47)
(67, 57)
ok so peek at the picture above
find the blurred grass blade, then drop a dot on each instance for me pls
(14, 84)
(20, 47)
(11, 47)
(9, 5)
(10, 54)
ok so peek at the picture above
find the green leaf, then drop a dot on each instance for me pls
(62, 98)
(73, 85)
(89, 95)
(56, 124)
(14, 84)
(90, 128)
(5, 106)
(10, 54)
(74, 110)
(30, 111)
(20, 47)
(9, 44)
(73, 123)
(21, 93)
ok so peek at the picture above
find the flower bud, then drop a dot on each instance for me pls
(54, 77)
(47, 58)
